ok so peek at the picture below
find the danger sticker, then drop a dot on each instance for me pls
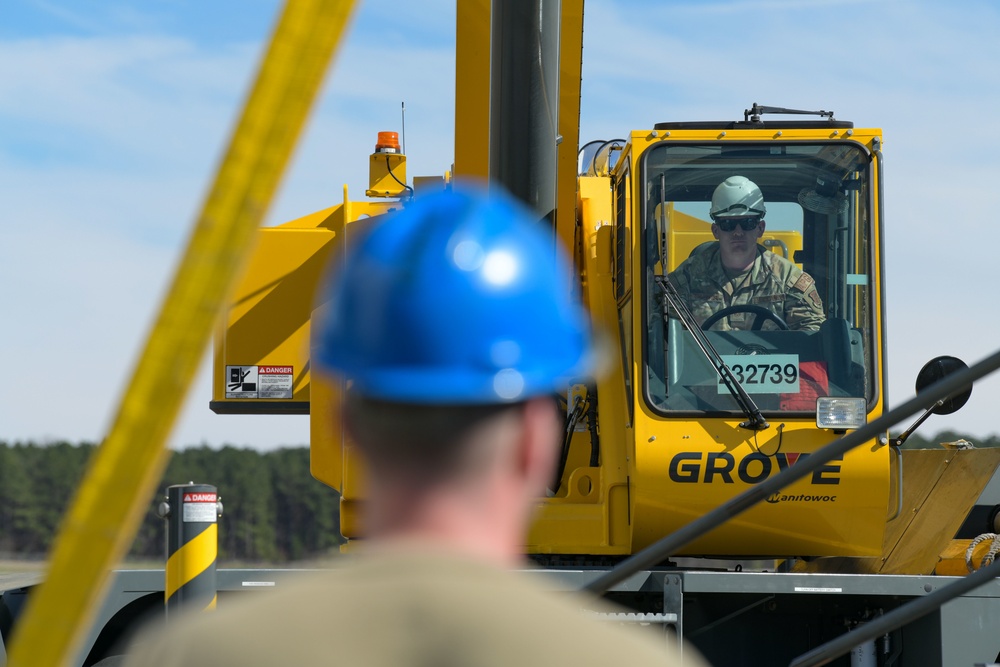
(199, 507)
(275, 381)
(270, 381)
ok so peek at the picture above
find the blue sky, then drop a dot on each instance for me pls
(114, 114)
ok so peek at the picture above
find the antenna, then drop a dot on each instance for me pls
(402, 134)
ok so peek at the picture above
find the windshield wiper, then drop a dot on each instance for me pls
(755, 420)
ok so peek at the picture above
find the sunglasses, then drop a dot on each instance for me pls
(746, 224)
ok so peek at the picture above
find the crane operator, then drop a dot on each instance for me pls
(452, 322)
(736, 271)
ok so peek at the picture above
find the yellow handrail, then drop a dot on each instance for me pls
(105, 513)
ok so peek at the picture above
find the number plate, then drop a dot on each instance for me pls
(763, 373)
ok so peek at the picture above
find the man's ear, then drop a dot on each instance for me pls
(715, 230)
(762, 226)
(539, 446)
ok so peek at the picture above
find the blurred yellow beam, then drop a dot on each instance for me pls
(472, 88)
(120, 481)
(570, 76)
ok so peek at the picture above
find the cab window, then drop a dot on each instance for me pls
(812, 269)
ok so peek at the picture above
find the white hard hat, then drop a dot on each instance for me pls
(737, 197)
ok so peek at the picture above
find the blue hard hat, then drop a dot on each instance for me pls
(462, 297)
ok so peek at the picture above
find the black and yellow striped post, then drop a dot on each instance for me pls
(192, 545)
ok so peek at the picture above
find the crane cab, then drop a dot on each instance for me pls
(675, 438)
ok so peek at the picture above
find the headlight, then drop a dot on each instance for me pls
(840, 413)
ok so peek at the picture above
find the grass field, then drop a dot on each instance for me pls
(30, 565)
(16, 566)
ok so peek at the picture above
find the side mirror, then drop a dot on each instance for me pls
(934, 370)
(937, 369)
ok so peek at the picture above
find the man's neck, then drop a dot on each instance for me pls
(473, 527)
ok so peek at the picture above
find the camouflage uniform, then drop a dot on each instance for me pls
(773, 282)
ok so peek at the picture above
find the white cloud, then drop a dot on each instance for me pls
(65, 16)
(144, 105)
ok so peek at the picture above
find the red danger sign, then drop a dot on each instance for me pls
(274, 370)
(200, 497)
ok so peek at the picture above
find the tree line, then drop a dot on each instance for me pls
(275, 511)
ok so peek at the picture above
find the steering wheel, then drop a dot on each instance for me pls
(762, 315)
